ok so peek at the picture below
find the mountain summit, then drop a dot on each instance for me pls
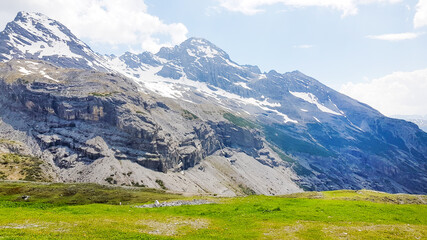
(35, 36)
(195, 48)
(193, 119)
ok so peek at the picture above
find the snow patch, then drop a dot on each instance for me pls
(258, 103)
(191, 53)
(243, 85)
(353, 125)
(53, 48)
(47, 76)
(24, 71)
(224, 79)
(207, 51)
(8, 57)
(198, 41)
(31, 62)
(232, 64)
(286, 119)
(309, 97)
(176, 89)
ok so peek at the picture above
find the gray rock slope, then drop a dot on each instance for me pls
(334, 141)
(176, 109)
(98, 127)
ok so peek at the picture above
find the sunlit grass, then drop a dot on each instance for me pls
(318, 215)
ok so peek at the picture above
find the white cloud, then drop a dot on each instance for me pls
(399, 93)
(304, 46)
(111, 22)
(420, 18)
(395, 36)
(251, 7)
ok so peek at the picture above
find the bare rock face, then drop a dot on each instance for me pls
(75, 123)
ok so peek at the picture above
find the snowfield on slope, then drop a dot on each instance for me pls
(311, 98)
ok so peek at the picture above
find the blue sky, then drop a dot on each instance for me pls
(372, 50)
(337, 48)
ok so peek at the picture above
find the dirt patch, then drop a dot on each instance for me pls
(398, 231)
(173, 227)
(21, 226)
(300, 229)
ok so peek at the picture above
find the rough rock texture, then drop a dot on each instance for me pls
(78, 120)
(200, 60)
(62, 123)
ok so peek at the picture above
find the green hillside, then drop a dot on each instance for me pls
(89, 211)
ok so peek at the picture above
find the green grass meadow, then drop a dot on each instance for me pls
(89, 211)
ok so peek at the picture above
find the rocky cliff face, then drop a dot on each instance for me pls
(113, 104)
(77, 117)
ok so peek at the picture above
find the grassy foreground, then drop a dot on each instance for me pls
(88, 211)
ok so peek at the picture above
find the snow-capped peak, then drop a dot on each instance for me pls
(194, 48)
(30, 20)
(36, 36)
(41, 27)
(199, 47)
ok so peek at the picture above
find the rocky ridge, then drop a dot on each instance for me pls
(78, 117)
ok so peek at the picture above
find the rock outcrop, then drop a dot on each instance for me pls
(85, 116)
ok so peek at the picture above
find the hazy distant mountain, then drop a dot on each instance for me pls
(191, 108)
(421, 121)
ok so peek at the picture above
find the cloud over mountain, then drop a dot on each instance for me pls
(398, 93)
(251, 7)
(104, 19)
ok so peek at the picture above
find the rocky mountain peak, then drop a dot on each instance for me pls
(199, 47)
(36, 36)
(194, 48)
(37, 27)
(36, 18)
(197, 58)
(25, 16)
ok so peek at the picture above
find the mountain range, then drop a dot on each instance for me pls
(421, 121)
(190, 119)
